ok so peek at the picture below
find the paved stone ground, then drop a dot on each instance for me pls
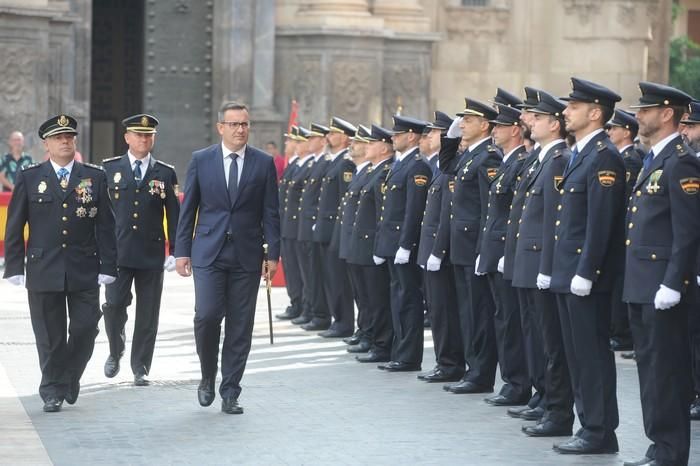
(306, 402)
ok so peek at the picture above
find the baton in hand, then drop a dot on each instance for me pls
(268, 286)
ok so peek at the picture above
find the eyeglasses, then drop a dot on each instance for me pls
(234, 125)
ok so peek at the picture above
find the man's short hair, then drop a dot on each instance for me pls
(226, 106)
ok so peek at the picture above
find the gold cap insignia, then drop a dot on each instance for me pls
(62, 120)
(144, 121)
(42, 187)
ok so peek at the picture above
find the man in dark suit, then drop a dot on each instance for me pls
(587, 258)
(142, 189)
(231, 207)
(71, 251)
(663, 232)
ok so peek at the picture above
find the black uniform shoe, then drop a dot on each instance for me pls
(439, 375)
(469, 387)
(398, 366)
(112, 366)
(534, 414)
(501, 400)
(289, 313)
(579, 446)
(316, 324)
(373, 356)
(52, 404)
(629, 355)
(141, 381)
(426, 322)
(646, 461)
(620, 344)
(695, 410)
(547, 429)
(354, 339)
(302, 319)
(230, 406)
(335, 333)
(71, 395)
(362, 347)
(205, 392)
(516, 411)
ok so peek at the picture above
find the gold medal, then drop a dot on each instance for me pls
(42, 187)
(162, 195)
(116, 195)
(117, 177)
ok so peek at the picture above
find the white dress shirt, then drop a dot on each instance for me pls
(227, 161)
(57, 167)
(145, 163)
(659, 146)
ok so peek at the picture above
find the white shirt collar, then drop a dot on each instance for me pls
(292, 159)
(318, 156)
(659, 146)
(507, 156)
(335, 156)
(536, 146)
(382, 162)
(477, 144)
(404, 154)
(145, 162)
(430, 157)
(546, 148)
(302, 160)
(362, 165)
(625, 148)
(240, 152)
(580, 145)
(57, 167)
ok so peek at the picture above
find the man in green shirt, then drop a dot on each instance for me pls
(13, 161)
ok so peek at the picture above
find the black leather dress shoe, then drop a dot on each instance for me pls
(439, 375)
(354, 339)
(52, 404)
(289, 313)
(547, 429)
(621, 344)
(517, 410)
(230, 406)
(205, 392)
(71, 395)
(426, 322)
(316, 324)
(629, 355)
(373, 356)
(695, 410)
(469, 387)
(141, 381)
(646, 461)
(335, 333)
(501, 400)
(112, 366)
(534, 414)
(579, 446)
(302, 319)
(362, 347)
(398, 366)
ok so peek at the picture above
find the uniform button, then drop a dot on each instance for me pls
(137, 202)
(561, 191)
(515, 193)
(559, 207)
(639, 193)
(41, 200)
(466, 228)
(578, 251)
(630, 225)
(65, 219)
(508, 222)
(520, 221)
(134, 227)
(382, 219)
(285, 209)
(653, 257)
(398, 227)
(556, 238)
(534, 247)
(434, 235)
(571, 190)
(628, 242)
(484, 228)
(452, 216)
(488, 204)
(294, 217)
(503, 238)
(65, 232)
(557, 223)
(524, 207)
(313, 217)
(686, 282)
(517, 235)
(634, 208)
(136, 215)
(63, 245)
(527, 194)
(382, 207)
(366, 236)
(137, 190)
(597, 272)
(65, 206)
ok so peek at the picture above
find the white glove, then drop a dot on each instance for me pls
(313, 227)
(378, 260)
(105, 279)
(433, 264)
(17, 280)
(581, 286)
(543, 281)
(455, 131)
(169, 264)
(500, 267)
(402, 256)
(476, 267)
(666, 298)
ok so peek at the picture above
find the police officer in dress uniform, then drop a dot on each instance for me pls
(438, 277)
(472, 173)
(334, 184)
(71, 251)
(587, 258)
(507, 135)
(375, 277)
(398, 231)
(532, 268)
(142, 189)
(622, 130)
(660, 277)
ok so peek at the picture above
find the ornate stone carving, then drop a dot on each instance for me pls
(307, 75)
(582, 9)
(404, 85)
(351, 86)
(17, 81)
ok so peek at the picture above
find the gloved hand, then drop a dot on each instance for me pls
(17, 280)
(666, 298)
(402, 256)
(455, 131)
(581, 286)
(378, 260)
(433, 264)
(313, 227)
(501, 264)
(169, 264)
(105, 279)
(543, 281)
(476, 267)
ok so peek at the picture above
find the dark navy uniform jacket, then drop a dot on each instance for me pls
(590, 223)
(333, 186)
(308, 205)
(432, 215)
(501, 191)
(342, 232)
(632, 158)
(71, 232)
(295, 184)
(535, 241)
(284, 185)
(663, 226)
(139, 211)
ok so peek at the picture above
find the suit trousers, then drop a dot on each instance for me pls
(148, 285)
(375, 282)
(532, 344)
(441, 296)
(509, 339)
(224, 290)
(665, 385)
(694, 327)
(310, 264)
(61, 359)
(559, 395)
(476, 310)
(292, 274)
(406, 312)
(337, 289)
(619, 321)
(359, 295)
(585, 323)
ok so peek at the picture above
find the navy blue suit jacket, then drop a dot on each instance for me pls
(253, 219)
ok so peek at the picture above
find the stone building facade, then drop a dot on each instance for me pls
(361, 59)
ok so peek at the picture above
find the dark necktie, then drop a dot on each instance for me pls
(647, 160)
(574, 154)
(233, 178)
(63, 177)
(137, 172)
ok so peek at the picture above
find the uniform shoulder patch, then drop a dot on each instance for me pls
(557, 181)
(601, 146)
(490, 148)
(92, 165)
(557, 153)
(420, 180)
(112, 159)
(418, 157)
(347, 177)
(681, 150)
(522, 156)
(172, 167)
(607, 178)
(690, 185)
(491, 172)
(28, 167)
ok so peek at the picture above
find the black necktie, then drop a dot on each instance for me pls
(137, 172)
(233, 178)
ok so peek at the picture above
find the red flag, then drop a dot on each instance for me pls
(293, 115)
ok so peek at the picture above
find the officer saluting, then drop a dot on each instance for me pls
(71, 251)
(142, 189)
(660, 286)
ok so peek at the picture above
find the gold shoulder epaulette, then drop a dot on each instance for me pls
(601, 146)
(681, 150)
(556, 153)
(34, 165)
(92, 165)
